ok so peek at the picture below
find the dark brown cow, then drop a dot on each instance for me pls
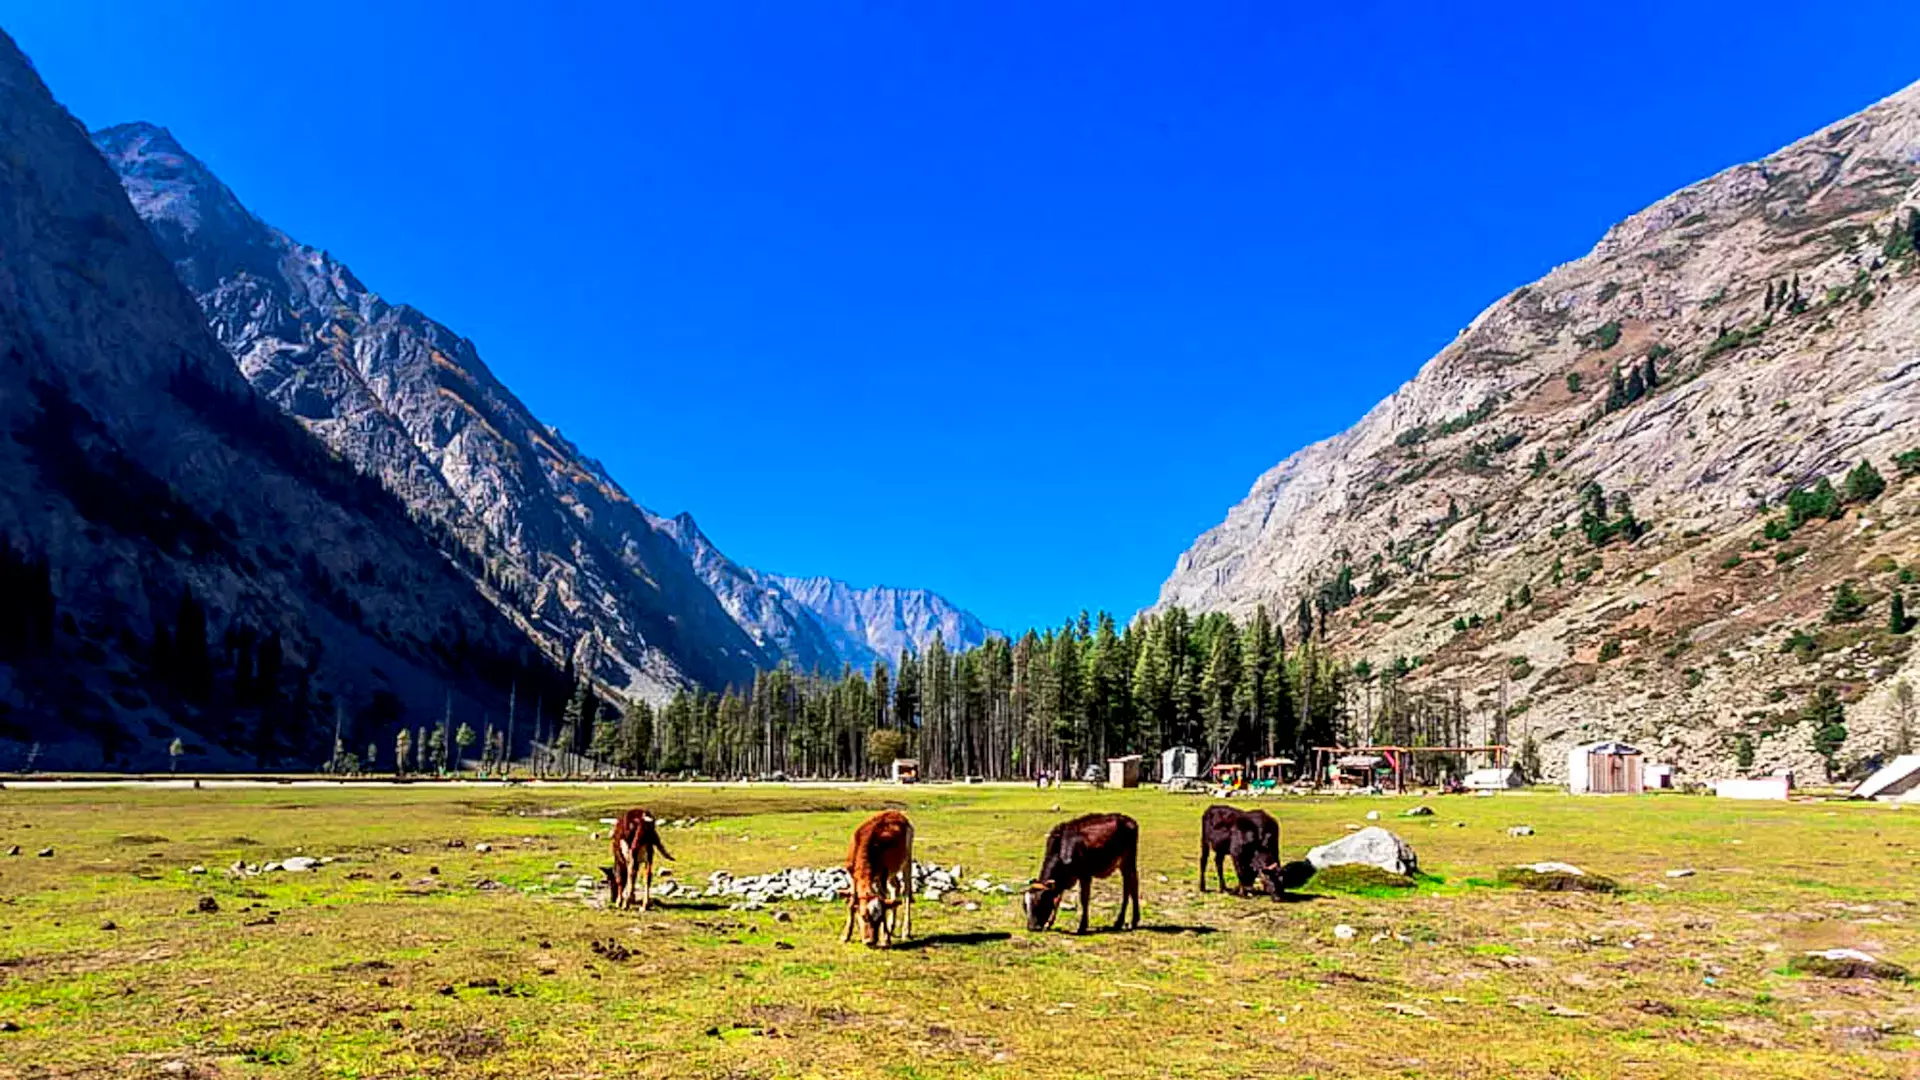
(636, 836)
(1251, 838)
(880, 861)
(1078, 851)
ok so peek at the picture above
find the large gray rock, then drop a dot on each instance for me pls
(1368, 847)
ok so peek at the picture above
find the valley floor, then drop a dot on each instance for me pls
(410, 957)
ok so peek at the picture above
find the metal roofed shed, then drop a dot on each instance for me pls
(1897, 779)
(1124, 772)
(1604, 768)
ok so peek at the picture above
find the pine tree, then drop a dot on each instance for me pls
(437, 747)
(463, 738)
(402, 752)
(1897, 613)
(1828, 717)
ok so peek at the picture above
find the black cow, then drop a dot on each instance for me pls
(1251, 838)
(1078, 851)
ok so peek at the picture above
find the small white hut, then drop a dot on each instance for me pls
(906, 771)
(1604, 768)
(1179, 763)
(1499, 779)
(1124, 772)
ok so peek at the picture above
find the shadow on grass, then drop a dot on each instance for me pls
(1159, 928)
(932, 941)
(669, 906)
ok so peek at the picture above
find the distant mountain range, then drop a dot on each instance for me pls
(256, 509)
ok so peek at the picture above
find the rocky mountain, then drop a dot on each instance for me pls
(180, 561)
(561, 546)
(820, 623)
(768, 613)
(1578, 509)
(558, 544)
(868, 624)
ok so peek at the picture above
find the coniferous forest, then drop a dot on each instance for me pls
(1053, 700)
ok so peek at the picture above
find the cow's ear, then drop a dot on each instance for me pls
(1040, 886)
(890, 902)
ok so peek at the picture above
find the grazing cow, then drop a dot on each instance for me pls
(1251, 838)
(880, 861)
(1078, 851)
(636, 836)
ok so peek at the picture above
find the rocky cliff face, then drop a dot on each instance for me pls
(559, 546)
(1777, 306)
(562, 547)
(181, 561)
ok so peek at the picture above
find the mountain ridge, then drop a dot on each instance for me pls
(1772, 302)
(390, 389)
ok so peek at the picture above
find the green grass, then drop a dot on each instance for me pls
(352, 971)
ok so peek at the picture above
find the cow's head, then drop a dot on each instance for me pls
(873, 915)
(1269, 872)
(1042, 903)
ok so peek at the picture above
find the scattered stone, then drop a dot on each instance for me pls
(456, 843)
(1417, 811)
(1556, 877)
(178, 1068)
(1405, 1009)
(1520, 830)
(1679, 873)
(299, 864)
(9, 1026)
(1563, 1011)
(1656, 1008)
(1373, 815)
(782, 916)
(563, 865)
(109, 925)
(433, 871)
(1372, 846)
(1459, 824)
(46, 853)
(1343, 932)
(14, 850)
(483, 848)
(207, 906)
(196, 868)
(1846, 964)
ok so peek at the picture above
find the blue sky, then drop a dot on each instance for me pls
(1010, 300)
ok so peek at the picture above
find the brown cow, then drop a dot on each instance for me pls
(881, 865)
(1251, 838)
(636, 836)
(1079, 851)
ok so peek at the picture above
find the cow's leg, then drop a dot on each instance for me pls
(1204, 852)
(646, 896)
(626, 875)
(908, 899)
(1219, 869)
(1086, 901)
(853, 905)
(1129, 890)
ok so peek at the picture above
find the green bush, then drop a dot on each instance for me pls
(1609, 649)
(1603, 337)
(1573, 387)
(1863, 484)
(1907, 461)
(1730, 562)
(1803, 505)
(1847, 605)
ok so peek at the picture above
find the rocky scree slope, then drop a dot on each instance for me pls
(141, 470)
(1777, 304)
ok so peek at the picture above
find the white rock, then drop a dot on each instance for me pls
(1372, 846)
(1520, 830)
(1373, 815)
(1680, 873)
(1343, 932)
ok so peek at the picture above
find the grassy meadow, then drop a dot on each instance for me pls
(410, 957)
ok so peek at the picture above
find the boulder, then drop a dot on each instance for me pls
(1556, 877)
(299, 864)
(1520, 830)
(1417, 811)
(1846, 964)
(1373, 846)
